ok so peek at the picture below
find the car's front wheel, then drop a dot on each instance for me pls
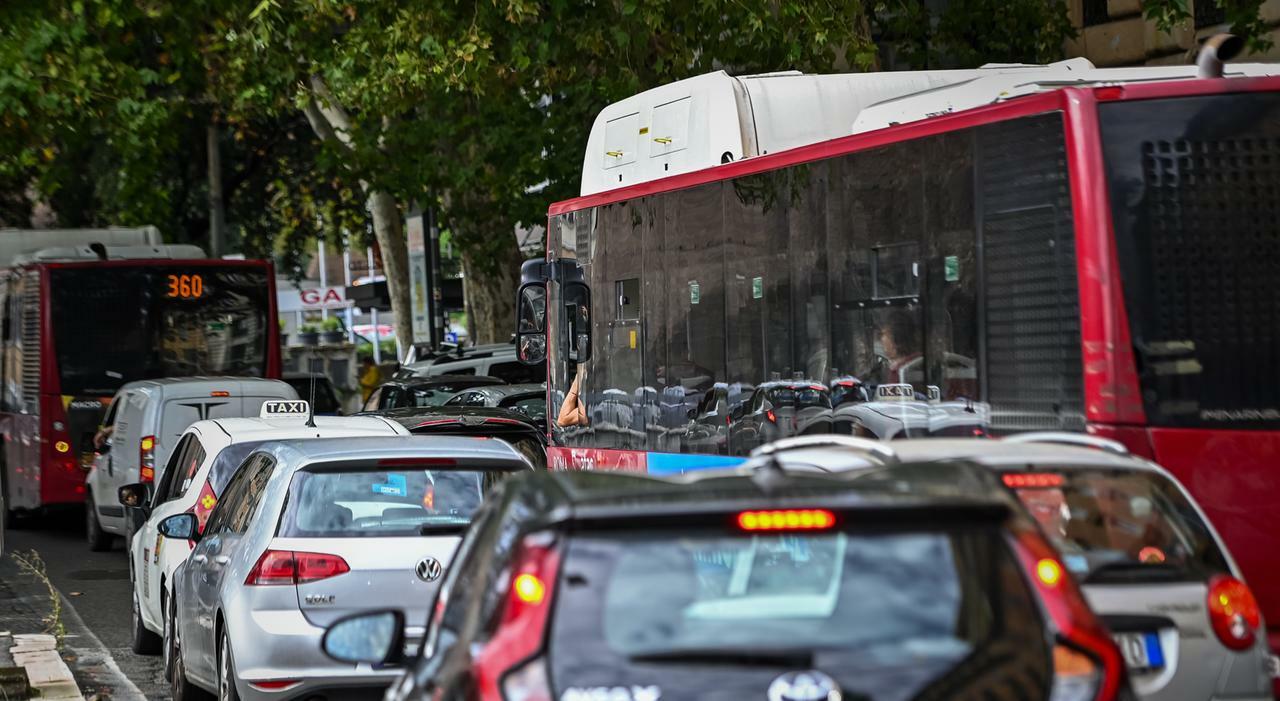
(144, 641)
(168, 645)
(179, 688)
(226, 671)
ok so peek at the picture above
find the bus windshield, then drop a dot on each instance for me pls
(113, 325)
(1193, 184)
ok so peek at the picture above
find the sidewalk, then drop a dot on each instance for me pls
(29, 653)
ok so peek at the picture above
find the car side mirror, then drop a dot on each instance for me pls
(375, 638)
(531, 323)
(180, 527)
(577, 307)
(133, 496)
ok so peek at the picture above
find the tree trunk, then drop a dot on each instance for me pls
(217, 216)
(388, 226)
(491, 296)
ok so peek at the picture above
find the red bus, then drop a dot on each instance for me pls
(1091, 250)
(78, 324)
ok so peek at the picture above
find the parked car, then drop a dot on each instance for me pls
(203, 462)
(527, 399)
(772, 584)
(307, 532)
(326, 402)
(1147, 558)
(424, 391)
(526, 434)
(141, 427)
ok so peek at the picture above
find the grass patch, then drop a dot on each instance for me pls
(32, 565)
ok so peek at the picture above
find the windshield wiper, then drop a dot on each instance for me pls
(1130, 571)
(800, 659)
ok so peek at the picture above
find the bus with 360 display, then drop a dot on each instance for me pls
(82, 312)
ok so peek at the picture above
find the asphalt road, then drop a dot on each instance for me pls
(96, 586)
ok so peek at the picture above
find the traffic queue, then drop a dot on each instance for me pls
(427, 553)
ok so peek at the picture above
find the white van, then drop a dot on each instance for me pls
(145, 420)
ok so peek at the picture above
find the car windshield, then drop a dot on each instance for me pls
(1119, 526)
(356, 503)
(888, 613)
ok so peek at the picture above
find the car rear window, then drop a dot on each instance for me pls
(363, 503)
(888, 615)
(1120, 526)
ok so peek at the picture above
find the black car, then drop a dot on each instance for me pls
(915, 582)
(326, 397)
(418, 392)
(523, 432)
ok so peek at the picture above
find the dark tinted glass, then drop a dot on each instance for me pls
(1195, 192)
(865, 268)
(363, 503)
(1124, 526)
(712, 614)
(326, 400)
(113, 325)
(227, 461)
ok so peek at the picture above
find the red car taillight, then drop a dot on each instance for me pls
(1233, 612)
(1086, 662)
(288, 567)
(147, 459)
(509, 667)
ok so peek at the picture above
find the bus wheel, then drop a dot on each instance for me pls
(99, 540)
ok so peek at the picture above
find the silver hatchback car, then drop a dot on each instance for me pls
(307, 532)
(1150, 563)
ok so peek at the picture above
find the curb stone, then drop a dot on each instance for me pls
(46, 672)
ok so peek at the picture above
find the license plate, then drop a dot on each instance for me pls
(1141, 651)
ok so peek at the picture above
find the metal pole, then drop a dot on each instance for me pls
(217, 214)
(377, 340)
(435, 286)
(346, 279)
(324, 313)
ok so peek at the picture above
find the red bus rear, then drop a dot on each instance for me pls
(74, 332)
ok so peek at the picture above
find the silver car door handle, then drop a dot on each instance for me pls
(222, 559)
(200, 559)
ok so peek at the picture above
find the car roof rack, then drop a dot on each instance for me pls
(1064, 438)
(874, 449)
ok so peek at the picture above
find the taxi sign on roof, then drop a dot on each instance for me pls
(895, 392)
(285, 409)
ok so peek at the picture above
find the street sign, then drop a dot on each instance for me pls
(695, 292)
(312, 298)
(757, 287)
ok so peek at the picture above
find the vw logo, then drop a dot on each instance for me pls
(804, 686)
(429, 569)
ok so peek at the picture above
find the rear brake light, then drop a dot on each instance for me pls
(276, 567)
(1233, 612)
(786, 520)
(416, 462)
(147, 459)
(220, 393)
(1033, 480)
(508, 666)
(1081, 636)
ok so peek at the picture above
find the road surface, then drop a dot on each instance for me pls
(97, 590)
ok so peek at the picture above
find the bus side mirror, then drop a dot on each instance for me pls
(577, 307)
(531, 323)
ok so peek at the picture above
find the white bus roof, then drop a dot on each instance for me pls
(28, 242)
(707, 120)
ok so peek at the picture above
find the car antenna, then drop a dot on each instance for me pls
(311, 406)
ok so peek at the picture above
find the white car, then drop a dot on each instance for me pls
(201, 464)
(141, 429)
